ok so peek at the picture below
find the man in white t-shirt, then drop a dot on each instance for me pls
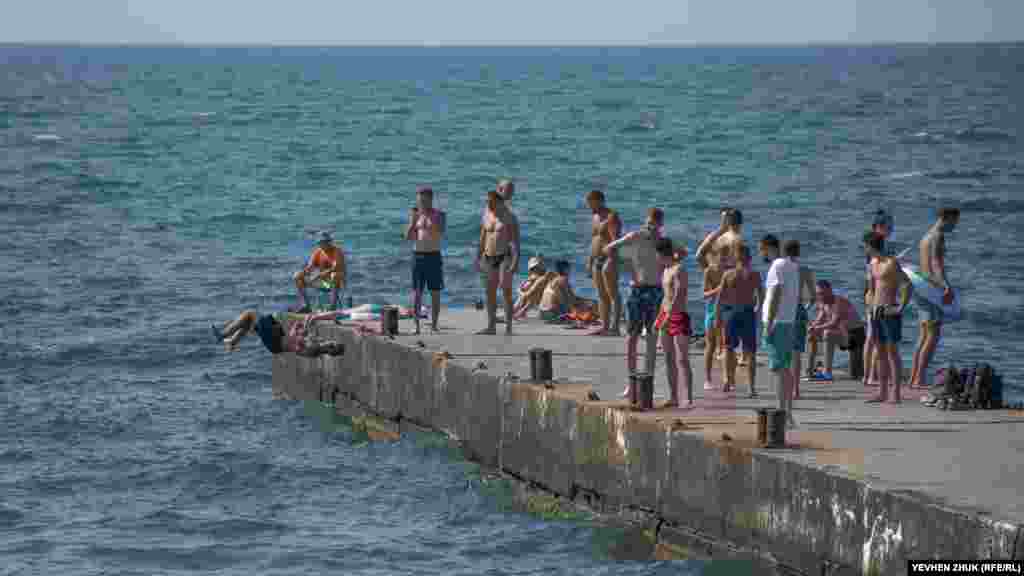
(779, 322)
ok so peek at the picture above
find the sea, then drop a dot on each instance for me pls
(147, 192)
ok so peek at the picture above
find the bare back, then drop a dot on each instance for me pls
(674, 282)
(740, 286)
(725, 247)
(933, 254)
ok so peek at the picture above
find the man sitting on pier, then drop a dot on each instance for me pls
(328, 260)
(272, 334)
(558, 296)
(836, 319)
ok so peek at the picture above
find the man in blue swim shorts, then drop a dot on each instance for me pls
(738, 298)
(426, 229)
(888, 284)
(933, 266)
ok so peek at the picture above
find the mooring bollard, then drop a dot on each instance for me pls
(776, 429)
(389, 320)
(762, 427)
(540, 365)
(641, 388)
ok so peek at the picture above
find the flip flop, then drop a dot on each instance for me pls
(486, 332)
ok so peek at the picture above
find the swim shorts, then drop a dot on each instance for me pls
(427, 271)
(271, 333)
(709, 317)
(642, 308)
(779, 346)
(679, 324)
(887, 329)
(740, 327)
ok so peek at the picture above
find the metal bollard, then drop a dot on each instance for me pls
(776, 429)
(389, 320)
(540, 365)
(762, 427)
(641, 390)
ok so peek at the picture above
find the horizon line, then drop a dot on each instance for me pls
(809, 44)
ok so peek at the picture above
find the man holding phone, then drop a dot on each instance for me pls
(426, 229)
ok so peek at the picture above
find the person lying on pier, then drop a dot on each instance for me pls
(273, 336)
(531, 290)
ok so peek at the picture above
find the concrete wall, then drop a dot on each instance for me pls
(722, 499)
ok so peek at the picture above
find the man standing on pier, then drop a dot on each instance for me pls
(888, 284)
(738, 298)
(646, 292)
(603, 264)
(882, 226)
(426, 229)
(779, 318)
(933, 267)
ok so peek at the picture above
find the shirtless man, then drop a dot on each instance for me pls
(933, 267)
(723, 241)
(505, 189)
(739, 297)
(719, 249)
(602, 264)
(558, 296)
(890, 292)
(882, 224)
(426, 228)
(498, 253)
(645, 294)
(712, 284)
(836, 318)
(271, 333)
(328, 260)
(675, 323)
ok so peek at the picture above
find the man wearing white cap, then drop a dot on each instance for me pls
(328, 261)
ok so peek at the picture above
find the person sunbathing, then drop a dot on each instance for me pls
(558, 297)
(271, 332)
(531, 290)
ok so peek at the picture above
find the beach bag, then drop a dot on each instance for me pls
(985, 395)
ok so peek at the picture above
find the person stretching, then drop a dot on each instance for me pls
(646, 292)
(675, 323)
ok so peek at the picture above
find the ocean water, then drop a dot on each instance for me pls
(147, 192)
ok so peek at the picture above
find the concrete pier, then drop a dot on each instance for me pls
(859, 489)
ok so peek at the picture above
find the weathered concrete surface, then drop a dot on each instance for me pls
(858, 490)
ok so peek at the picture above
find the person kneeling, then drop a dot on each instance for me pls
(271, 332)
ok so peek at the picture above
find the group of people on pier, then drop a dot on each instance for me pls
(743, 310)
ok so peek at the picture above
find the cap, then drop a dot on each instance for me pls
(535, 262)
(326, 238)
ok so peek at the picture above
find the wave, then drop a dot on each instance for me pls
(983, 135)
(904, 175)
(46, 138)
(960, 175)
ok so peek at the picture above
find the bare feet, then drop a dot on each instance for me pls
(625, 392)
(895, 401)
(708, 385)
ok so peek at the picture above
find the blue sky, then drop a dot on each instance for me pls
(563, 22)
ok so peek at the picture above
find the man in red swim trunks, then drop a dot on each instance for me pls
(328, 261)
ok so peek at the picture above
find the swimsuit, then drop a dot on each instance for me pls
(642, 307)
(888, 329)
(679, 324)
(496, 260)
(427, 271)
(779, 346)
(271, 333)
(740, 326)
(709, 316)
